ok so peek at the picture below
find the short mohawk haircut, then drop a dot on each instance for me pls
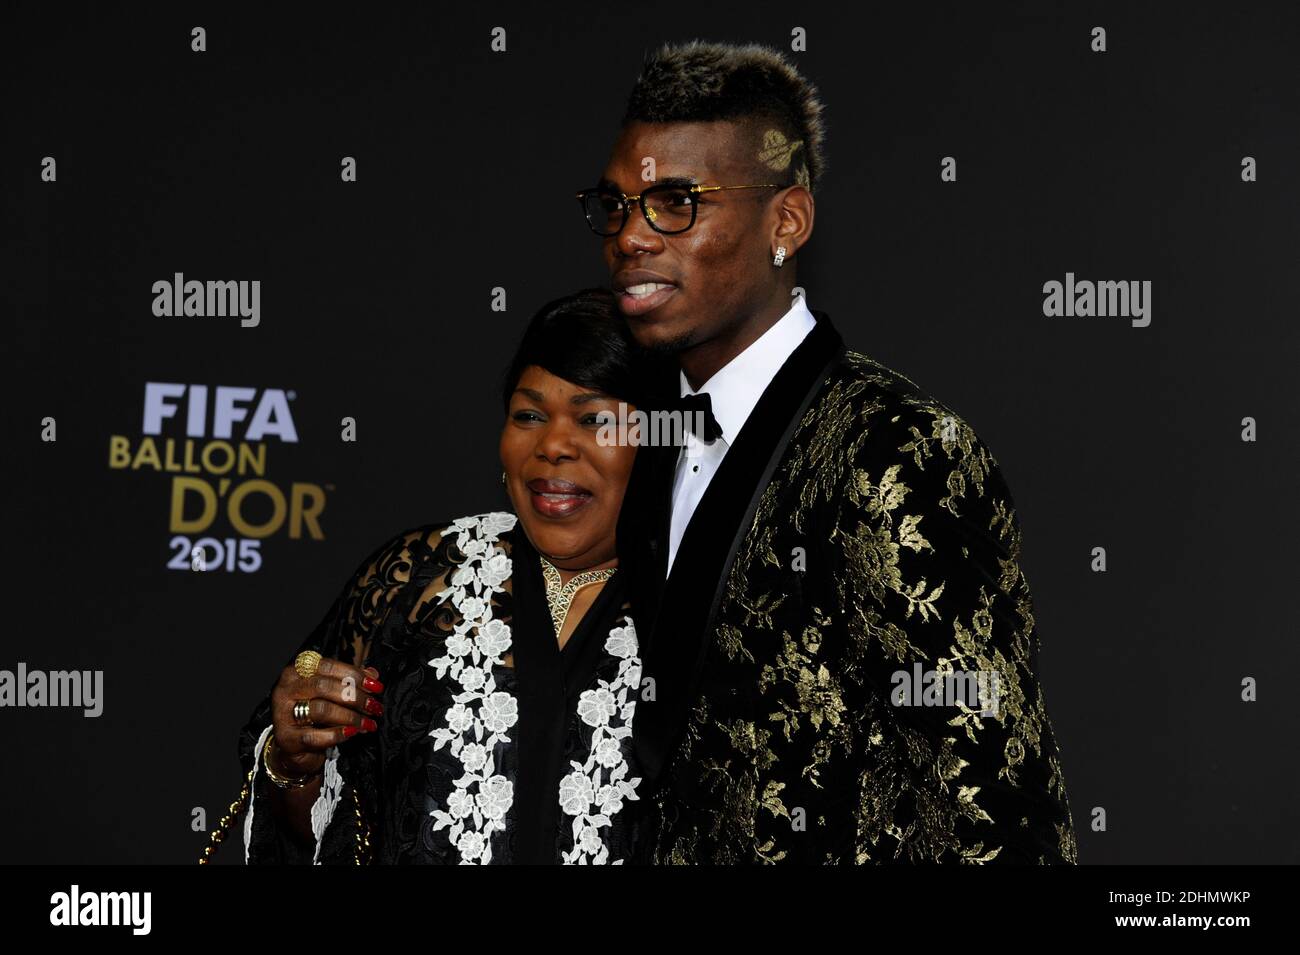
(755, 85)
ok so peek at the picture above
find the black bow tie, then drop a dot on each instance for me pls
(689, 404)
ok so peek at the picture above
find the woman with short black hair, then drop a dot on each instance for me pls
(469, 697)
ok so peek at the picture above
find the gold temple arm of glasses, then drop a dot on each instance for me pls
(697, 189)
(760, 185)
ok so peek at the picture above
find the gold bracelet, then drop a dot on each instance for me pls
(284, 782)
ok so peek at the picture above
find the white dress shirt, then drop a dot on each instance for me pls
(733, 391)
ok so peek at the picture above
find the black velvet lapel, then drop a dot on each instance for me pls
(682, 627)
(642, 537)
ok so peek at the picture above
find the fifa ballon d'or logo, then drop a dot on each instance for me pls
(214, 443)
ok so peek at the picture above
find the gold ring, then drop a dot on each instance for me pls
(302, 712)
(307, 663)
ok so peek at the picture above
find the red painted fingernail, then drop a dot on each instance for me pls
(371, 685)
(368, 724)
(349, 732)
(373, 706)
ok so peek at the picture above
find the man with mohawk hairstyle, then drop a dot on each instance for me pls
(833, 525)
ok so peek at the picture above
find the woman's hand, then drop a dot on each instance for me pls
(342, 704)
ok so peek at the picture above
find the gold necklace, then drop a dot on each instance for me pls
(560, 597)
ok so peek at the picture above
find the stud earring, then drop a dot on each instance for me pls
(779, 257)
(503, 478)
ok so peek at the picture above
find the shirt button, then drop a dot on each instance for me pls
(696, 468)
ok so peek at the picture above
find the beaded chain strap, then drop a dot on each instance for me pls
(361, 856)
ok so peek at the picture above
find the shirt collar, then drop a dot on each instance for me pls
(735, 388)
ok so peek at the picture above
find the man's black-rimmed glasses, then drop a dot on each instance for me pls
(669, 207)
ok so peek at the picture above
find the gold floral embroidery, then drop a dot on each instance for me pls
(888, 491)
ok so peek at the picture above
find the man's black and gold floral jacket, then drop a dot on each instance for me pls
(856, 530)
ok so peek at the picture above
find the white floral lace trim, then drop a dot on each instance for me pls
(252, 790)
(327, 800)
(322, 810)
(594, 792)
(481, 714)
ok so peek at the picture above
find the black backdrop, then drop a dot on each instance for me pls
(376, 304)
